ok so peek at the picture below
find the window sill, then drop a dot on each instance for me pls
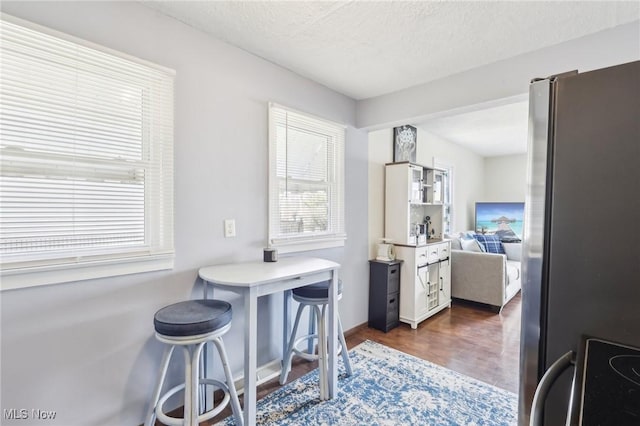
(12, 279)
(293, 246)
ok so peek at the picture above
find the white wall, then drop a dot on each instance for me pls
(86, 349)
(503, 79)
(468, 177)
(468, 174)
(380, 153)
(505, 178)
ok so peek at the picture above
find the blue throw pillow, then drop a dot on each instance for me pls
(491, 243)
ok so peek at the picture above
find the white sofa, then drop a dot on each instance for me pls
(488, 278)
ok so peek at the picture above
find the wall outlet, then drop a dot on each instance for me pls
(229, 228)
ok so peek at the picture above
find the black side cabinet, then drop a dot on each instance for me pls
(384, 296)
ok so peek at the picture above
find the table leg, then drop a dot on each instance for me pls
(250, 354)
(333, 335)
(322, 351)
(286, 322)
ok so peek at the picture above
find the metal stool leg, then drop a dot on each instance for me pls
(286, 362)
(312, 329)
(202, 394)
(188, 391)
(235, 403)
(345, 353)
(195, 382)
(164, 366)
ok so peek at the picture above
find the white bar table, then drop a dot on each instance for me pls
(256, 279)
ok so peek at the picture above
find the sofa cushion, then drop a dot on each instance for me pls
(455, 241)
(513, 271)
(491, 243)
(471, 245)
(513, 251)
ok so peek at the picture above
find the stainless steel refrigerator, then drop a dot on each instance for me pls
(581, 246)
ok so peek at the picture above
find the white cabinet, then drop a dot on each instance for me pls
(425, 281)
(413, 193)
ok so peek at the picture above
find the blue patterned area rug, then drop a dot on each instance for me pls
(389, 387)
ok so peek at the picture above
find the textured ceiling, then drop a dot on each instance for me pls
(364, 49)
(489, 132)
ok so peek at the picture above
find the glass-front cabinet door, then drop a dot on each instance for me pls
(438, 187)
(415, 188)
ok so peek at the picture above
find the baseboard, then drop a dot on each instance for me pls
(356, 329)
(264, 373)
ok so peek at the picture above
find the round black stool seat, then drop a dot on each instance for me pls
(192, 318)
(316, 291)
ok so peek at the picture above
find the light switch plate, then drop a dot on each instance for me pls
(229, 228)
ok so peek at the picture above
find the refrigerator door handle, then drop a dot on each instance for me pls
(549, 378)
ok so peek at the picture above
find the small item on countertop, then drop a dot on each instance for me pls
(270, 255)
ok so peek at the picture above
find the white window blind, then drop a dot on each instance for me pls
(306, 181)
(86, 155)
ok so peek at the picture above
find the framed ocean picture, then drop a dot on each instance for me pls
(505, 219)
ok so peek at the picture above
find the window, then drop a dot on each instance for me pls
(306, 181)
(86, 181)
(447, 193)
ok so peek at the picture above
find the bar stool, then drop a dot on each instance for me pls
(190, 325)
(316, 297)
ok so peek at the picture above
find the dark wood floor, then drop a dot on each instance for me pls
(466, 338)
